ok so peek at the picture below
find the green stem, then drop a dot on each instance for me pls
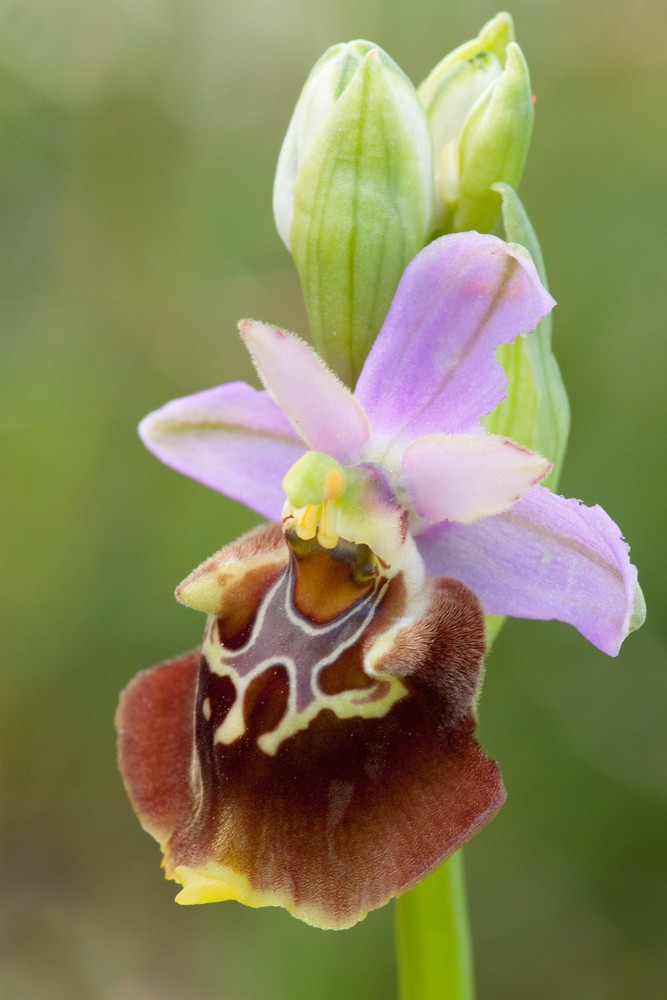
(433, 938)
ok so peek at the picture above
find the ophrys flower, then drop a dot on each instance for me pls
(319, 751)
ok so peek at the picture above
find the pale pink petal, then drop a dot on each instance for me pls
(464, 477)
(547, 557)
(320, 408)
(232, 438)
(432, 368)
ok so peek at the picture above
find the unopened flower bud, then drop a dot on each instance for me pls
(353, 195)
(479, 104)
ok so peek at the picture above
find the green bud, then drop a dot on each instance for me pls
(536, 412)
(460, 89)
(479, 105)
(353, 196)
(448, 95)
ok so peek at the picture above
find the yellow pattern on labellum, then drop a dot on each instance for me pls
(321, 644)
(330, 709)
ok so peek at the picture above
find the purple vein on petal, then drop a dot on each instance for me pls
(233, 439)
(433, 368)
(548, 557)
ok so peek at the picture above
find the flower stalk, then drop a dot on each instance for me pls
(433, 943)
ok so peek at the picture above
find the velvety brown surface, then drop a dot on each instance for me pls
(348, 812)
(154, 723)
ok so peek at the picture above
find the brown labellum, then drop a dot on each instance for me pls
(318, 753)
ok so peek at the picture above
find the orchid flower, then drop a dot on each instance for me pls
(319, 752)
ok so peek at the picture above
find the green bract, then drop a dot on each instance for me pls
(479, 104)
(353, 196)
(536, 412)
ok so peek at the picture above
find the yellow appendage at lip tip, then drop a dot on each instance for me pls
(204, 887)
(222, 884)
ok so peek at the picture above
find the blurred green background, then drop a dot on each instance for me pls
(138, 140)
